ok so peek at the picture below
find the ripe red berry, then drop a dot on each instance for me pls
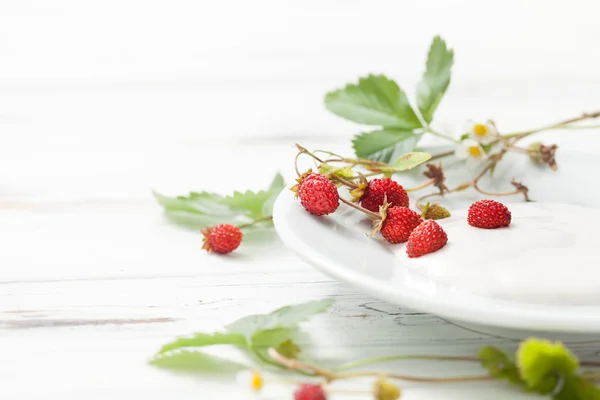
(426, 238)
(309, 392)
(399, 223)
(318, 194)
(380, 188)
(488, 214)
(222, 238)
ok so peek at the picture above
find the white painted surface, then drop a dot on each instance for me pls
(99, 103)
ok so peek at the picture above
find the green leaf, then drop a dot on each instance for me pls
(195, 202)
(436, 78)
(384, 145)
(410, 161)
(375, 100)
(577, 388)
(195, 361)
(201, 209)
(253, 203)
(206, 339)
(285, 317)
(464, 136)
(500, 365)
(541, 363)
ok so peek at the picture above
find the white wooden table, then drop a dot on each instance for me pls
(93, 279)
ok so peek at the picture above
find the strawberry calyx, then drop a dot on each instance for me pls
(358, 193)
(299, 181)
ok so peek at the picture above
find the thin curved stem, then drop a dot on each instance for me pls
(421, 186)
(369, 361)
(473, 378)
(442, 155)
(441, 135)
(359, 208)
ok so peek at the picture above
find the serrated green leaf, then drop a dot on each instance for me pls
(253, 203)
(197, 362)
(541, 363)
(285, 317)
(436, 78)
(206, 339)
(384, 145)
(195, 202)
(409, 161)
(374, 100)
(200, 209)
(500, 365)
(577, 388)
(271, 337)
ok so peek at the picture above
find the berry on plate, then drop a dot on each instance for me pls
(488, 214)
(426, 238)
(309, 391)
(222, 239)
(398, 223)
(318, 194)
(378, 189)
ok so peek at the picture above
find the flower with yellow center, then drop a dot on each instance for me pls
(470, 151)
(252, 379)
(482, 133)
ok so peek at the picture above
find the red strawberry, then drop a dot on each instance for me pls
(308, 391)
(398, 223)
(426, 238)
(380, 188)
(488, 214)
(222, 238)
(318, 194)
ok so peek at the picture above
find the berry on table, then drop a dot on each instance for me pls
(488, 214)
(222, 239)
(318, 194)
(378, 189)
(398, 223)
(309, 391)
(426, 238)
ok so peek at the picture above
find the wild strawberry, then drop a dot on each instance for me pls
(488, 214)
(434, 211)
(398, 223)
(309, 391)
(222, 238)
(378, 189)
(426, 238)
(318, 194)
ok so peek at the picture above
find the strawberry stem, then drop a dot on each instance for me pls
(371, 214)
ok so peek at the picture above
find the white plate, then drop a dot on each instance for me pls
(337, 245)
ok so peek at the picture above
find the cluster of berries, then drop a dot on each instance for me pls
(395, 220)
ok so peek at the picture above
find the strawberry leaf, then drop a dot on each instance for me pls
(409, 161)
(205, 339)
(374, 100)
(385, 144)
(436, 78)
(285, 317)
(201, 209)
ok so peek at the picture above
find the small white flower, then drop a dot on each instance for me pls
(482, 133)
(251, 379)
(470, 151)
